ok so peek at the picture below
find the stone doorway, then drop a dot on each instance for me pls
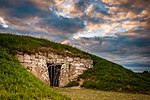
(54, 74)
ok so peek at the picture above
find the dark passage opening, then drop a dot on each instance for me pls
(54, 73)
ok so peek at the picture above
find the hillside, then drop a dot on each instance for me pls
(109, 76)
(105, 75)
(16, 83)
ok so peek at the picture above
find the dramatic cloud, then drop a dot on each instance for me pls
(3, 23)
(118, 30)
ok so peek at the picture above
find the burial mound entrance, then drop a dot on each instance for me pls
(54, 69)
(54, 74)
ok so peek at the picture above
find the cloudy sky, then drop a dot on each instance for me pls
(118, 30)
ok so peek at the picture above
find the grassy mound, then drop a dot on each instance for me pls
(105, 75)
(18, 83)
(15, 43)
(109, 76)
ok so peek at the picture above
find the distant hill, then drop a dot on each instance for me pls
(16, 82)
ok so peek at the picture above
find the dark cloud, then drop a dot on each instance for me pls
(69, 25)
(19, 13)
(1, 27)
(128, 3)
(125, 44)
(96, 20)
(20, 8)
(99, 7)
(123, 49)
(138, 3)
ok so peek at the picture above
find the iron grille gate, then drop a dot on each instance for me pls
(54, 73)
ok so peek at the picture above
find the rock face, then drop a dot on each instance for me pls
(43, 66)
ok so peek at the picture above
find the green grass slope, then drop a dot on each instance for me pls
(109, 76)
(15, 43)
(105, 75)
(16, 83)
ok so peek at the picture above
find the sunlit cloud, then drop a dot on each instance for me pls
(117, 30)
(3, 23)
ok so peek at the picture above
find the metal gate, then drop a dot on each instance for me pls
(54, 73)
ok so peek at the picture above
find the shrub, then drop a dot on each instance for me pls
(73, 83)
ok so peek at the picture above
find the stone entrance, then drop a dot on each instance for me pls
(54, 74)
(54, 69)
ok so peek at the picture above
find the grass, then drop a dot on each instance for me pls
(109, 76)
(105, 75)
(16, 83)
(88, 94)
(73, 83)
(15, 43)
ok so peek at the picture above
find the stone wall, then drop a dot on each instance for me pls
(71, 67)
